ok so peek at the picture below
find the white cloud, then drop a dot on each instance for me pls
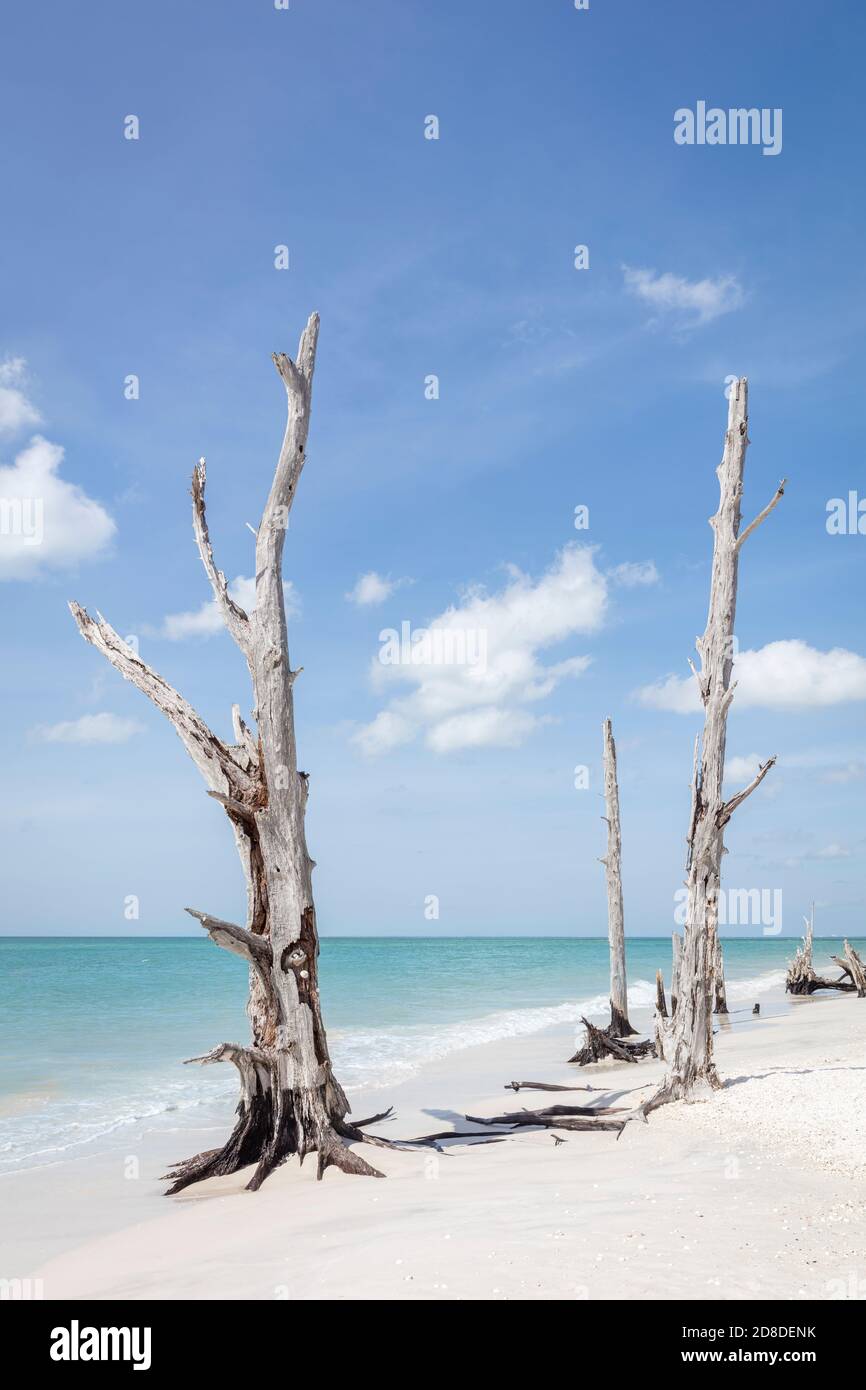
(90, 728)
(373, 588)
(783, 675)
(46, 522)
(479, 666)
(633, 576)
(208, 620)
(16, 411)
(704, 300)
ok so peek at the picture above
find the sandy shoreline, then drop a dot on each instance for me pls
(757, 1192)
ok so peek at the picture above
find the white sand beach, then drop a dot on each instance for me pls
(755, 1192)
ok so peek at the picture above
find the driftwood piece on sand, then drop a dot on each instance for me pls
(556, 1117)
(600, 1043)
(801, 977)
(544, 1086)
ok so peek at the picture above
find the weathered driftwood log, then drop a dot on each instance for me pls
(544, 1086)
(661, 1005)
(619, 1021)
(599, 1043)
(801, 977)
(688, 1043)
(290, 1100)
(557, 1117)
(797, 984)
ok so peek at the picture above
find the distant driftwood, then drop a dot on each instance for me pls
(801, 977)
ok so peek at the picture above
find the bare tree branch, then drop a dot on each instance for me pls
(700, 680)
(730, 806)
(243, 737)
(236, 619)
(297, 377)
(211, 756)
(254, 949)
(762, 516)
(237, 808)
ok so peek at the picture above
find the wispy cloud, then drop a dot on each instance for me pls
(700, 300)
(634, 575)
(90, 728)
(834, 851)
(372, 588)
(849, 772)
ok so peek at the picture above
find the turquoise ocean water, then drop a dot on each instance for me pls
(93, 1030)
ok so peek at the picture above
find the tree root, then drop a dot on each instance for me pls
(601, 1042)
(809, 984)
(271, 1129)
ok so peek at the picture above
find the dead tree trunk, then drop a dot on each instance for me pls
(619, 1023)
(661, 1006)
(290, 1101)
(677, 955)
(689, 1042)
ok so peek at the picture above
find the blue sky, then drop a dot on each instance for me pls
(558, 387)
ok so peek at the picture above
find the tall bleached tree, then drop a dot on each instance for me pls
(688, 1041)
(619, 1021)
(290, 1100)
(599, 1043)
